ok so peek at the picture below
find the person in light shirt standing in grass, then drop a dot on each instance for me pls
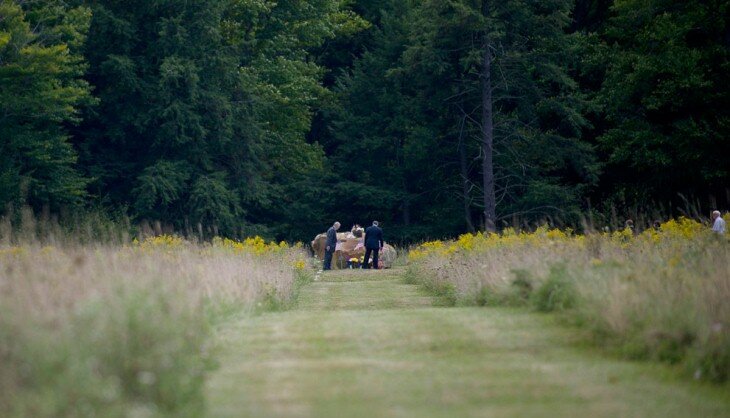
(718, 224)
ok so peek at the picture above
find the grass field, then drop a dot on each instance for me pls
(364, 344)
(124, 330)
(660, 295)
(166, 327)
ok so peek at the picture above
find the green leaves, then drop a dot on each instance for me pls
(161, 187)
(40, 91)
(205, 104)
(212, 203)
(259, 112)
(663, 95)
(413, 103)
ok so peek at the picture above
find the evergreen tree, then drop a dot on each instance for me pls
(164, 79)
(284, 85)
(507, 64)
(423, 95)
(436, 116)
(664, 66)
(204, 106)
(379, 153)
(40, 90)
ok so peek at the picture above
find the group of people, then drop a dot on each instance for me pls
(373, 245)
(373, 240)
(718, 224)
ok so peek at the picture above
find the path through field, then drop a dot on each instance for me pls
(363, 344)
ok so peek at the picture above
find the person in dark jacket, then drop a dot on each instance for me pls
(330, 245)
(373, 244)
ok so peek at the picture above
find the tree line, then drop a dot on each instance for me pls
(436, 117)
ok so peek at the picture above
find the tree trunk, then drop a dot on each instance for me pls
(406, 211)
(465, 183)
(490, 217)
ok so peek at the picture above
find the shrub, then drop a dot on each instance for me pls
(557, 293)
(710, 357)
(446, 292)
(521, 286)
(485, 297)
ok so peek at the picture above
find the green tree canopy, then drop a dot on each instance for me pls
(664, 66)
(242, 117)
(41, 89)
(205, 106)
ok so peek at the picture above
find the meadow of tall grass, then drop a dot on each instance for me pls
(122, 329)
(662, 294)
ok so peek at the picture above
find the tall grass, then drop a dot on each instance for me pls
(122, 330)
(93, 227)
(658, 295)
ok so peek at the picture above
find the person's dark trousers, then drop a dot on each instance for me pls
(328, 260)
(375, 252)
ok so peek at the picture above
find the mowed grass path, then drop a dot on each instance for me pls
(363, 344)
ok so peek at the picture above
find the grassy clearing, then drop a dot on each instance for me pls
(364, 344)
(123, 331)
(362, 289)
(660, 295)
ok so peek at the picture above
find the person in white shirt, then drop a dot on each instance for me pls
(718, 224)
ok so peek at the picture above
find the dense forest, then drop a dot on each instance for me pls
(436, 117)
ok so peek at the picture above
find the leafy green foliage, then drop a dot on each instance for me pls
(274, 118)
(40, 89)
(557, 293)
(664, 94)
(213, 203)
(205, 105)
(414, 99)
(161, 186)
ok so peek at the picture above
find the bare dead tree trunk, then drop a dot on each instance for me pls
(490, 201)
